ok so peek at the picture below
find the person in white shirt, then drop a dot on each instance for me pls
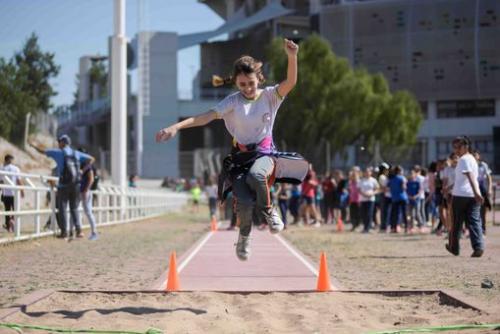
(466, 200)
(8, 195)
(368, 187)
(249, 116)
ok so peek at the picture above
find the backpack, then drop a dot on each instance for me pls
(71, 170)
(95, 184)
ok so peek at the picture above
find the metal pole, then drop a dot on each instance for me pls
(119, 97)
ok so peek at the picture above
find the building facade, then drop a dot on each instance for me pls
(444, 52)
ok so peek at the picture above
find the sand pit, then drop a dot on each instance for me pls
(213, 312)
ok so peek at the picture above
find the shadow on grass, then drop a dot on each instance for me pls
(131, 310)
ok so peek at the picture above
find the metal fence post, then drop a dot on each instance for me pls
(37, 214)
(53, 218)
(17, 208)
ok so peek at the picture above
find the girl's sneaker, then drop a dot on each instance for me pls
(93, 237)
(243, 248)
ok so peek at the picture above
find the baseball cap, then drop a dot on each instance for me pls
(64, 138)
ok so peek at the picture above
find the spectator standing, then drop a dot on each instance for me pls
(195, 196)
(283, 198)
(421, 197)
(294, 203)
(308, 208)
(397, 184)
(354, 204)
(368, 187)
(466, 199)
(86, 186)
(132, 181)
(413, 190)
(385, 196)
(439, 200)
(68, 163)
(8, 195)
(328, 186)
(211, 192)
(340, 195)
(485, 186)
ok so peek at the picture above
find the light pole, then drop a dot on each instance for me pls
(119, 97)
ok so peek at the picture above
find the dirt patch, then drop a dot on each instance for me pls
(198, 312)
(399, 262)
(133, 256)
(126, 257)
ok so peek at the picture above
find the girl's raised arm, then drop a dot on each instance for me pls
(286, 86)
(191, 122)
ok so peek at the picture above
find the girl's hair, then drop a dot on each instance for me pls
(243, 65)
(433, 167)
(463, 141)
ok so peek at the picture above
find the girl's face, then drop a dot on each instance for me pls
(247, 84)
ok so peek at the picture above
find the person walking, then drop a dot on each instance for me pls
(466, 200)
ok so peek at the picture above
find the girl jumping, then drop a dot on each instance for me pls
(249, 116)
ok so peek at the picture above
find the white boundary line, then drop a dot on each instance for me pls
(193, 253)
(189, 258)
(297, 255)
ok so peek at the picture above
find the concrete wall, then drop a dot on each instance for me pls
(160, 160)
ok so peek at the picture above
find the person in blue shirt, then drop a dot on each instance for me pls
(68, 161)
(397, 185)
(413, 191)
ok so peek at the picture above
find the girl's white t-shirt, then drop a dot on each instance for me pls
(462, 186)
(250, 122)
(211, 191)
(367, 185)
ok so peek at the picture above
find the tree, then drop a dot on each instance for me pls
(15, 104)
(334, 103)
(39, 68)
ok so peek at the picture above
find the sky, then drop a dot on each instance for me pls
(73, 28)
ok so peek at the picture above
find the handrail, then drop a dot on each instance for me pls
(112, 205)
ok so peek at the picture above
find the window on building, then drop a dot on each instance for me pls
(443, 148)
(466, 108)
(424, 108)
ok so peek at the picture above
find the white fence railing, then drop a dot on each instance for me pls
(111, 205)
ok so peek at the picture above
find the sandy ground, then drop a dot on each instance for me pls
(399, 262)
(126, 257)
(134, 256)
(239, 313)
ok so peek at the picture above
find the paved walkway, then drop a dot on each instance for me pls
(274, 265)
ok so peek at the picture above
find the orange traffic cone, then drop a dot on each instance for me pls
(340, 224)
(173, 279)
(323, 276)
(213, 224)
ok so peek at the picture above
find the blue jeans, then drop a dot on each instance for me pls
(251, 191)
(385, 213)
(398, 208)
(283, 204)
(466, 209)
